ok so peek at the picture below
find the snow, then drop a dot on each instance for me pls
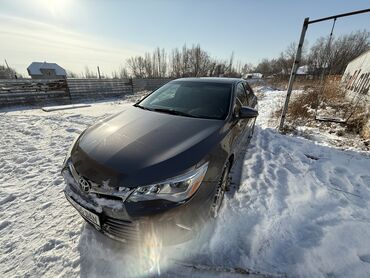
(297, 207)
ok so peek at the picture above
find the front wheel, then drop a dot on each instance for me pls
(220, 192)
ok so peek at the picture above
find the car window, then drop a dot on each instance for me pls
(249, 94)
(168, 94)
(241, 95)
(195, 99)
(240, 98)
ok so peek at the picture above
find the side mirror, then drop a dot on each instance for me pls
(247, 113)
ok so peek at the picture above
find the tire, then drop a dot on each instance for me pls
(222, 187)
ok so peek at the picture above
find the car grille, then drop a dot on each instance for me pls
(121, 229)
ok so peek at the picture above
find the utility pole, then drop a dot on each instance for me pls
(298, 55)
(293, 74)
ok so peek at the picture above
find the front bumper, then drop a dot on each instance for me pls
(134, 221)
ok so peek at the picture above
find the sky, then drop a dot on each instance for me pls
(80, 33)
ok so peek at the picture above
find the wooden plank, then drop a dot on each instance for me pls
(64, 107)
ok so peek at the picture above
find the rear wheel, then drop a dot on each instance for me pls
(220, 192)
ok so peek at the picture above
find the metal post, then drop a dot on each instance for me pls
(293, 73)
(99, 72)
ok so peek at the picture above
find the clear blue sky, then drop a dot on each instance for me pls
(79, 33)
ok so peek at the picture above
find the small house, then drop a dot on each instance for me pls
(44, 70)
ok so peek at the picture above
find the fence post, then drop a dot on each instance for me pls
(68, 91)
(131, 81)
(99, 72)
(293, 73)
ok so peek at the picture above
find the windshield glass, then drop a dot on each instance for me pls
(193, 99)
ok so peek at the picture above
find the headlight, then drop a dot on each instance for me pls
(175, 189)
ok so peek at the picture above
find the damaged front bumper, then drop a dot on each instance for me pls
(127, 221)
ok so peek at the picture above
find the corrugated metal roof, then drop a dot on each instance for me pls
(361, 56)
(35, 67)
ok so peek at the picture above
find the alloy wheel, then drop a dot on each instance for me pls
(220, 192)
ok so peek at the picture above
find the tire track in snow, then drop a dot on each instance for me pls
(294, 218)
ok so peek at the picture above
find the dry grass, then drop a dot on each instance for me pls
(301, 106)
(301, 82)
(358, 121)
(331, 101)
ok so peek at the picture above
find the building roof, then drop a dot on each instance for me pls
(367, 52)
(35, 67)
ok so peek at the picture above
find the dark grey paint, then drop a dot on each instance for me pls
(142, 146)
(138, 147)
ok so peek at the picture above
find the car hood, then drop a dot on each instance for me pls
(137, 147)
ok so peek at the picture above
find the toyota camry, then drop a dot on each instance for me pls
(162, 163)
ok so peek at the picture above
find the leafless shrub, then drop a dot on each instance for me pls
(357, 122)
(339, 53)
(184, 62)
(8, 73)
(328, 96)
(89, 73)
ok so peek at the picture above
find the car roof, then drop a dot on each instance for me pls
(225, 80)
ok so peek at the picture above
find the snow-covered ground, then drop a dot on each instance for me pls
(298, 208)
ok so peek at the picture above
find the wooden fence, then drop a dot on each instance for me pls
(32, 91)
(148, 84)
(98, 88)
(41, 92)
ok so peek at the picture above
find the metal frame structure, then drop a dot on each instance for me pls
(298, 56)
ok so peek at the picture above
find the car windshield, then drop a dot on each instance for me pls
(193, 99)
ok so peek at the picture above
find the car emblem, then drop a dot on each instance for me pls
(84, 185)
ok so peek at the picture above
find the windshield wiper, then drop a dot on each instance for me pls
(167, 110)
(173, 112)
(142, 107)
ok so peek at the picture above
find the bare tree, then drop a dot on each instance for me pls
(195, 61)
(89, 73)
(176, 63)
(185, 65)
(199, 61)
(8, 73)
(348, 47)
(335, 55)
(247, 68)
(123, 73)
(264, 67)
(148, 65)
(186, 62)
(71, 74)
(137, 66)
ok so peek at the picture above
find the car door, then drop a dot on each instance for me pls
(239, 126)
